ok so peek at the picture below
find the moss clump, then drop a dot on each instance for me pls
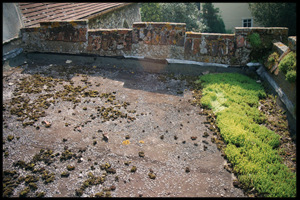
(272, 60)
(111, 170)
(33, 186)
(255, 40)
(24, 192)
(70, 167)
(79, 192)
(10, 138)
(105, 166)
(133, 169)
(151, 175)
(187, 170)
(46, 156)
(40, 194)
(31, 178)
(20, 163)
(141, 154)
(99, 194)
(107, 194)
(288, 66)
(48, 177)
(65, 174)
(127, 163)
(66, 155)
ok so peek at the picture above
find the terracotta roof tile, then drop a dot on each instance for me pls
(33, 13)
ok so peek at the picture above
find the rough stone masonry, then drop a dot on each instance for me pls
(158, 40)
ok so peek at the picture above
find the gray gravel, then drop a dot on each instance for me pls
(161, 108)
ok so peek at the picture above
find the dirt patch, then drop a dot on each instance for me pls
(155, 116)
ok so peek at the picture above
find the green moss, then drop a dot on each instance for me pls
(65, 174)
(40, 194)
(151, 175)
(31, 178)
(288, 66)
(141, 154)
(272, 60)
(33, 186)
(250, 147)
(255, 40)
(99, 194)
(70, 167)
(261, 46)
(133, 169)
(10, 138)
(24, 192)
(79, 192)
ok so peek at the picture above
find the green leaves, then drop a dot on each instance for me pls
(172, 12)
(288, 66)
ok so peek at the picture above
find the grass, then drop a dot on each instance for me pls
(251, 147)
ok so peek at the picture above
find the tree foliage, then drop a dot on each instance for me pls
(212, 19)
(173, 12)
(275, 15)
(151, 12)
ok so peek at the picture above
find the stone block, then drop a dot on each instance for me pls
(292, 43)
(67, 31)
(280, 47)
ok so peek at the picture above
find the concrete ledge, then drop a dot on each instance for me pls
(196, 63)
(11, 54)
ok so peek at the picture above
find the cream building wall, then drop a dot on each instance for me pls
(234, 13)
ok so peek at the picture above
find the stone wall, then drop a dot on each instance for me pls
(109, 42)
(157, 40)
(245, 52)
(210, 47)
(123, 17)
(57, 37)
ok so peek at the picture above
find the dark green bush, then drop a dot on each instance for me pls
(288, 66)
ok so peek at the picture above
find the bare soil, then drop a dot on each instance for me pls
(162, 124)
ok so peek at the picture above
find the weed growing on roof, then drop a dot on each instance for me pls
(288, 66)
(251, 147)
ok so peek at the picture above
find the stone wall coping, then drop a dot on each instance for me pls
(188, 34)
(159, 23)
(67, 21)
(115, 29)
(79, 22)
(257, 28)
(293, 38)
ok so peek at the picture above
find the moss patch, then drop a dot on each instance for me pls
(250, 147)
(288, 66)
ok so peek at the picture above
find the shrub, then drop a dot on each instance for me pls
(254, 40)
(288, 66)
(272, 59)
(291, 76)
